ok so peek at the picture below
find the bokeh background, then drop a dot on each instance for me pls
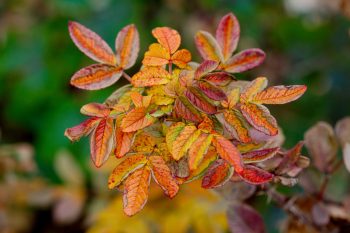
(48, 184)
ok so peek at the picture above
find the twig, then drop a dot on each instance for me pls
(170, 66)
(126, 76)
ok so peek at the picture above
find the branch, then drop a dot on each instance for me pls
(126, 76)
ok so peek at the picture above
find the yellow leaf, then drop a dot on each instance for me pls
(198, 149)
(256, 86)
(181, 58)
(208, 47)
(279, 94)
(156, 55)
(235, 119)
(150, 76)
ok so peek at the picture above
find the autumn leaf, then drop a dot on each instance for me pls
(83, 129)
(219, 78)
(227, 35)
(95, 110)
(211, 91)
(183, 108)
(181, 58)
(255, 175)
(279, 94)
(236, 121)
(96, 76)
(205, 68)
(125, 168)
(123, 142)
(245, 60)
(101, 141)
(183, 141)
(91, 44)
(136, 188)
(168, 38)
(260, 118)
(228, 152)
(208, 46)
(136, 119)
(150, 76)
(256, 86)
(217, 175)
(198, 150)
(127, 46)
(162, 175)
(232, 99)
(198, 100)
(156, 55)
(259, 155)
(244, 219)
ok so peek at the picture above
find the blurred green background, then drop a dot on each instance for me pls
(306, 41)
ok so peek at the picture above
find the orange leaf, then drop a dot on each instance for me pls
(245, 60)
(198, 100)
(95, 77)
(183, 108)
(217, 175)
(235, 120)
(83, 129)
(95, 109)
(156, 55)
(227, 35)
(150, 76)
(127, 46)
(280, 94)
(255, 175)
(205, 67)
(168, 38)
(101, 142)
(198, 149)
(181, 58)
(256, 86)
(162, 175)
(136, 189)
(123, 169)
(91, 44)
(260, 118)
(136, 99)
(228, 152)
(207, 46)
(136, 119)
(123, 142)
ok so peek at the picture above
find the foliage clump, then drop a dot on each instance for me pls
(178, 120)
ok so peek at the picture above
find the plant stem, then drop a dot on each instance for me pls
(127, 77)
(170, 66)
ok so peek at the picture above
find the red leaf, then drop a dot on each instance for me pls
(101, 143)
(227, 35)
(205, 67)
(228, 152)
(245, 60)
(255, 175)
(83, 129)
(219, 78)
(217, 174)
(95, 77)
(91, 44)
(259, 155)
(211, 91)
(183, 108)
(127, 46)
(244, 219)
(123, 142)
(198, 100)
